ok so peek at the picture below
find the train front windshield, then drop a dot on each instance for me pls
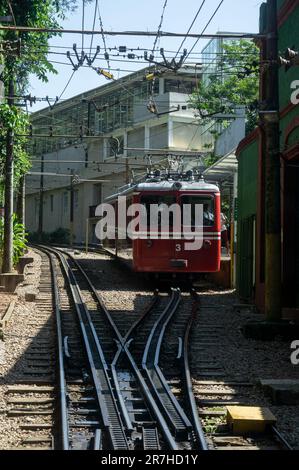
(159, 205)
(163, 201)
(197, 202)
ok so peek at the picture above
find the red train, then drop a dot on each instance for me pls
(150, 251)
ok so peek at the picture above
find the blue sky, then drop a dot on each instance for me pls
(234, 15)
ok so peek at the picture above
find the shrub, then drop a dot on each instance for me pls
(34, 237)
(19, 239)
(60, 236)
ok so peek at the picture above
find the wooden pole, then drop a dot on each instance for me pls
(272, 173)
(9, 192)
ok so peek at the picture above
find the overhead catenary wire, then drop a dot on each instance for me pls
(119, 69)
(205, 28)
(190, 27)
(129, 48)
(36, 30)
(83, 23)
(67, 85)
(103, 35)
(93, 26)
(137, 59)
(160, 26)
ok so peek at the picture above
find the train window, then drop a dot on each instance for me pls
(208, 208)
(150, 200)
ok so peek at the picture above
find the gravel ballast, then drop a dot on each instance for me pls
(126, 295)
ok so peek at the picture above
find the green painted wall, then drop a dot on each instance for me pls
(288, 37)
(247, 190)
(247, 210)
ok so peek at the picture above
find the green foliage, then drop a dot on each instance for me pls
(19, 239)
(35, 47)
(12, 118)
(32, 60)
(60, 236)
(235, 83)
(210, 160)
(34, 237)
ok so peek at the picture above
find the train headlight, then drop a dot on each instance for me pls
(149, 243)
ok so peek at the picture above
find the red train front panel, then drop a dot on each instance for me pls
(160, 255)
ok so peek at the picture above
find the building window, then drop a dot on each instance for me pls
(116, 146)
(179, 86)
(52, 202)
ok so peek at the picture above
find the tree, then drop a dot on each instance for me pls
(14, 161)
(234, 83)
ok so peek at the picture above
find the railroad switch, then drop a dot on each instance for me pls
(249, 419)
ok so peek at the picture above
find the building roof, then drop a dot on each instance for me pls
(223, 170)
(189, 70)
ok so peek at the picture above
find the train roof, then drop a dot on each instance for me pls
(168, 185)
(165, 185)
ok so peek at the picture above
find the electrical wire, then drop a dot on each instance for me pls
(66, 86)
(93, 26)
(83, 23)
(103, 35)
(130, 71)
(190, 27)
(160, 26)
(11, 12)
(205, 28)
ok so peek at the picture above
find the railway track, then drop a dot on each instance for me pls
(216, 389)
(123, 399)
(30, 402)
(125, 388)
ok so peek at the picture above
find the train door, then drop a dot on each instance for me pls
(205, 258)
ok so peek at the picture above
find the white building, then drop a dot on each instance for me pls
(100, 136)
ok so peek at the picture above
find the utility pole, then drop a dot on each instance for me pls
(41, 201)
(72, 209)
(272, 172)
(8, 193)
(127, 171)
(21, 201)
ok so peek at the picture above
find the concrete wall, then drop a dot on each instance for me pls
(231, 137)
(165, 102)
(97, 160)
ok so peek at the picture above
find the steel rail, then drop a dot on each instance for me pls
(98, 365)
(280, 437)
(198, 430)
(175, 415)
(119, 339)
(164, 429)
(145, 389)
(118, 356)
(63, 408)
(109, 410)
